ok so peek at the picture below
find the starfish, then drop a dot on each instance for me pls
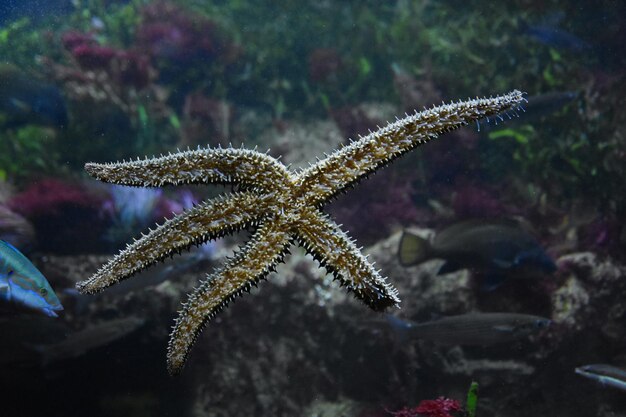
(282, 206)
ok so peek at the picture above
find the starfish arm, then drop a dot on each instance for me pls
(200, 224)
(202, 166)
(324, 239)
(259, 257)
(329, 176)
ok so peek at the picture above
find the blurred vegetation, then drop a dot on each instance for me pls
(467, 50)
(27, 150)
(20, 41)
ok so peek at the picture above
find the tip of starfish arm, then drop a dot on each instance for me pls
(174, 367)
(85, 287)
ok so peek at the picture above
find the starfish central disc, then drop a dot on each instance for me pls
(283, 206)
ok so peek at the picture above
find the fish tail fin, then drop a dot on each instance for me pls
(401, 328)
(413, 249)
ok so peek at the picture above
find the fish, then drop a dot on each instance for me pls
(482, 329)
(79, 343)
(549, 33)
(25, 99)
(539, 105)
(22, 285)
(607, 375)
(205, 253)
(494, 249)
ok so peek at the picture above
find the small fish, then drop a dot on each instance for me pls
(482, 329)
(23, 285)
(495, 249)
(549, 33)
(81, 342)
(149, 278)
(543, 104)
(604, 374)
(536, 108)
(28, 100)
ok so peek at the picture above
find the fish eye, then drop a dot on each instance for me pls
(43, 291)
(540, 324)
(10, 273)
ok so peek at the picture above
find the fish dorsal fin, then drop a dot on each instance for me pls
(11, 246)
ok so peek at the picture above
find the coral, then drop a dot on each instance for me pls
(128, 209)
(415, 93)
(93, 57)
(605, 234)
(66, 214)
(352, 121)
(15, 229)
(205, 117)
(102, 73)
(440, 407)
(131, 208)
(472, 201)
(324, 63)
(73, 39)
(383, 201)
(179, 38)
(120, 83)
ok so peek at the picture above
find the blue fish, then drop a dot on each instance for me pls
(22, 284)
(549, 33)
(606, 375)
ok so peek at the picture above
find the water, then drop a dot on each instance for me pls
(105, 80)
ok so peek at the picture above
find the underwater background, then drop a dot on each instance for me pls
(106, 80)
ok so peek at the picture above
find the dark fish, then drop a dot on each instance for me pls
(535, 108)
(543, 104)
(149, 278)
(79, 343)
(473, 328)
(496, 250)
(28, 100)
(604, 374)
(550, 34)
